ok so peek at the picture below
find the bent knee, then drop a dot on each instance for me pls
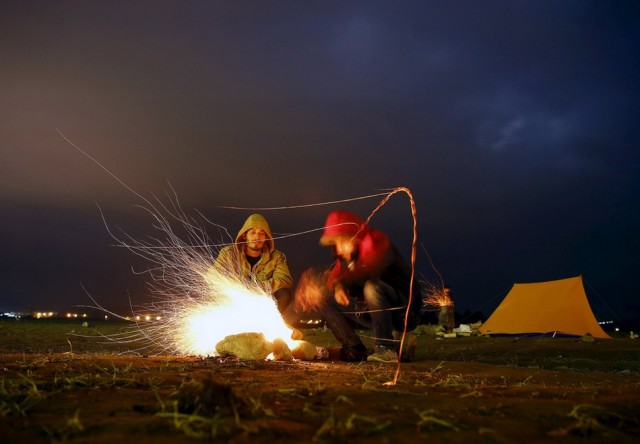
(373, 286)
(374, 293)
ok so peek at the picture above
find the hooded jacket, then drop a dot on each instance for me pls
(271, 269)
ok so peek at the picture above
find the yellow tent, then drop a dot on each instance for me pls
(558, 307)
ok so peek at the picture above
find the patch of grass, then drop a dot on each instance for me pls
(428, 420)
(217, 426)
(592, 420)
(19, 396)
(452, 381)
(354, 425)
(257, 406)
(524, 382)
(210, 410)
(71, 427)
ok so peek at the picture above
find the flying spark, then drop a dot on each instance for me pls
(196, 304)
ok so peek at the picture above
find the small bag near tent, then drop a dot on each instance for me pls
(553, 307)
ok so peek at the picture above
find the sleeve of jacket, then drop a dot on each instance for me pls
(223, 260)
(281, 277)
(334, 276)
(227, 261)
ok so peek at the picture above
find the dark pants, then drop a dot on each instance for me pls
(380, 307)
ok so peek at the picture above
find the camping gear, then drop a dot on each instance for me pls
(557, 307)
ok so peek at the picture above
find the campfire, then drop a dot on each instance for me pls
(243, 321)
(192, 315)
(200, 309)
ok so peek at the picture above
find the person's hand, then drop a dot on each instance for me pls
(341, 296)
(308, 295)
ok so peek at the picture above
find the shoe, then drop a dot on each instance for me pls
(322, 354)
(354, 353)
(383, 354)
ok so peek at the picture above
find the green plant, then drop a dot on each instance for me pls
(354, 425)
(429, 420)
(201, 427)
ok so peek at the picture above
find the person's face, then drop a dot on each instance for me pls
(345, 247)
(255, 240)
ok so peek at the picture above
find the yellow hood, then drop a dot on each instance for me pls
(256, 221)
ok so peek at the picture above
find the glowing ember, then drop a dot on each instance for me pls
(437, 297)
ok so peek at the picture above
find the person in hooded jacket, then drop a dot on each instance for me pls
(254, 254)
(368, 284)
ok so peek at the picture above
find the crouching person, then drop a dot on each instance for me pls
(367, 284)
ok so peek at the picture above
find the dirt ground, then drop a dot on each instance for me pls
(57, 386)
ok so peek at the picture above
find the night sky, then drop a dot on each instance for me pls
(514, 123)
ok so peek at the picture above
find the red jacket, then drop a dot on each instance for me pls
(374, 258)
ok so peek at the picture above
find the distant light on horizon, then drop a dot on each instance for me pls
(12, 314)
(44, 314)
(75, 315)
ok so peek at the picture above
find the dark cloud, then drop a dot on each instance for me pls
(514, 124)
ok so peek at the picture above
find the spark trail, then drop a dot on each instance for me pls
(195, 304)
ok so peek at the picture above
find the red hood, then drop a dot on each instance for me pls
(343, 223)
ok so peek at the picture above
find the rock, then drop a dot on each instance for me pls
(246, 346)
(587, 338)
(304, 351)
(281, 351)
(463, 328)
